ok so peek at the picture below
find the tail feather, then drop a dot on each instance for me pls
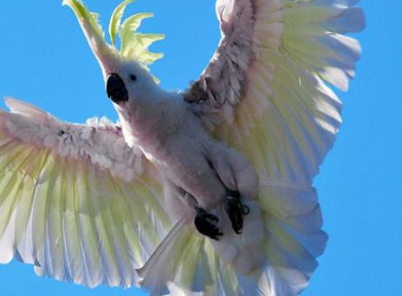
(160, 267)
(274, 256)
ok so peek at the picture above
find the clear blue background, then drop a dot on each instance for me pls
(44, 59)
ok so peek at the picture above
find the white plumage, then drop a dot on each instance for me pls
(115, 204)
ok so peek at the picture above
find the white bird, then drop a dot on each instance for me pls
(202, 192)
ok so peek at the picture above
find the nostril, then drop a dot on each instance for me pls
(116, 88)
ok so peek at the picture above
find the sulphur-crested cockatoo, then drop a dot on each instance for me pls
(202, 192)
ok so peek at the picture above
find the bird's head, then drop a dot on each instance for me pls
(125, 71)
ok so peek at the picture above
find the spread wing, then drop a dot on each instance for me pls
(75, 200)
(267, 92)
(266, 89)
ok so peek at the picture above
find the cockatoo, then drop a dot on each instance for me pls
(202, 192)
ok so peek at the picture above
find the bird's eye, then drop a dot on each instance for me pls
(133, 77)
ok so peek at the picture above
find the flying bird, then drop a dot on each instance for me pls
(207, 191)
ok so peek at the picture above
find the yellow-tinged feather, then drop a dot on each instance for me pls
(228, 279)
(53, 235)
(55, 227)
(190, 257)
(88, 231)
(106, 229)
(129, 27)
(210, 264)
(133, 45)
(286, 241)
(40, 211)
(130, 217)
(115, 20)
(304, 14)
(10, 187)
(72, 240)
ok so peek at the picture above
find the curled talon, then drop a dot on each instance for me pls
(235, 210)
(207, 224)
(246, 210)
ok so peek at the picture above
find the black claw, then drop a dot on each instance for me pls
(235, 210)
(246, 210)
(207, 224)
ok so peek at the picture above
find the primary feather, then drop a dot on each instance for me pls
(114, 204)
(75, 200)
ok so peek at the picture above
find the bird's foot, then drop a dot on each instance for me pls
(235, 210)
(207, 224)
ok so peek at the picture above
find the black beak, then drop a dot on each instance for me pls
(116, 89)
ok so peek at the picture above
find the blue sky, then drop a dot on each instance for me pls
(44, 59)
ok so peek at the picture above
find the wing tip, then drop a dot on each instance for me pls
(23, 107)
(8, 101)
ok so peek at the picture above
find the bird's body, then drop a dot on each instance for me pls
(165, 127)
(173, 139)
(204, 192)
(197, 170)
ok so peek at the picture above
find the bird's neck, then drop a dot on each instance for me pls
(149, 122)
